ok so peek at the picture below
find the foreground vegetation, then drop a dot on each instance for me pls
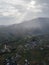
(33, 48)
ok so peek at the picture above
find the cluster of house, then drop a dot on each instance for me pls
(35, 44)
(13, 61)
(28, 45)
(31, 45)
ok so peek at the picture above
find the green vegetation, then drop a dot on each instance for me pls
(24, 47)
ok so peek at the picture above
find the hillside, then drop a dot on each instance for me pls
(32, 27)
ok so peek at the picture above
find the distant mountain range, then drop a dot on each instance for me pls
(31, 27)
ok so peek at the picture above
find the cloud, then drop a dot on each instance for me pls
(7, 20)
(20, 10)
(8, 10)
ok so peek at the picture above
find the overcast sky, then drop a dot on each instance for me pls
(16, 11)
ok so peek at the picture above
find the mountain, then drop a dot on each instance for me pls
(31, 27)
(35, 26)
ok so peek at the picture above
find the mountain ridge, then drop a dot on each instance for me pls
(31, 27)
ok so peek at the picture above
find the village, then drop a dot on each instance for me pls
(32, 52)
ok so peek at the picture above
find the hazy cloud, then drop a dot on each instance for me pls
(16, 11)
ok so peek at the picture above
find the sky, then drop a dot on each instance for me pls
(17, 11)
